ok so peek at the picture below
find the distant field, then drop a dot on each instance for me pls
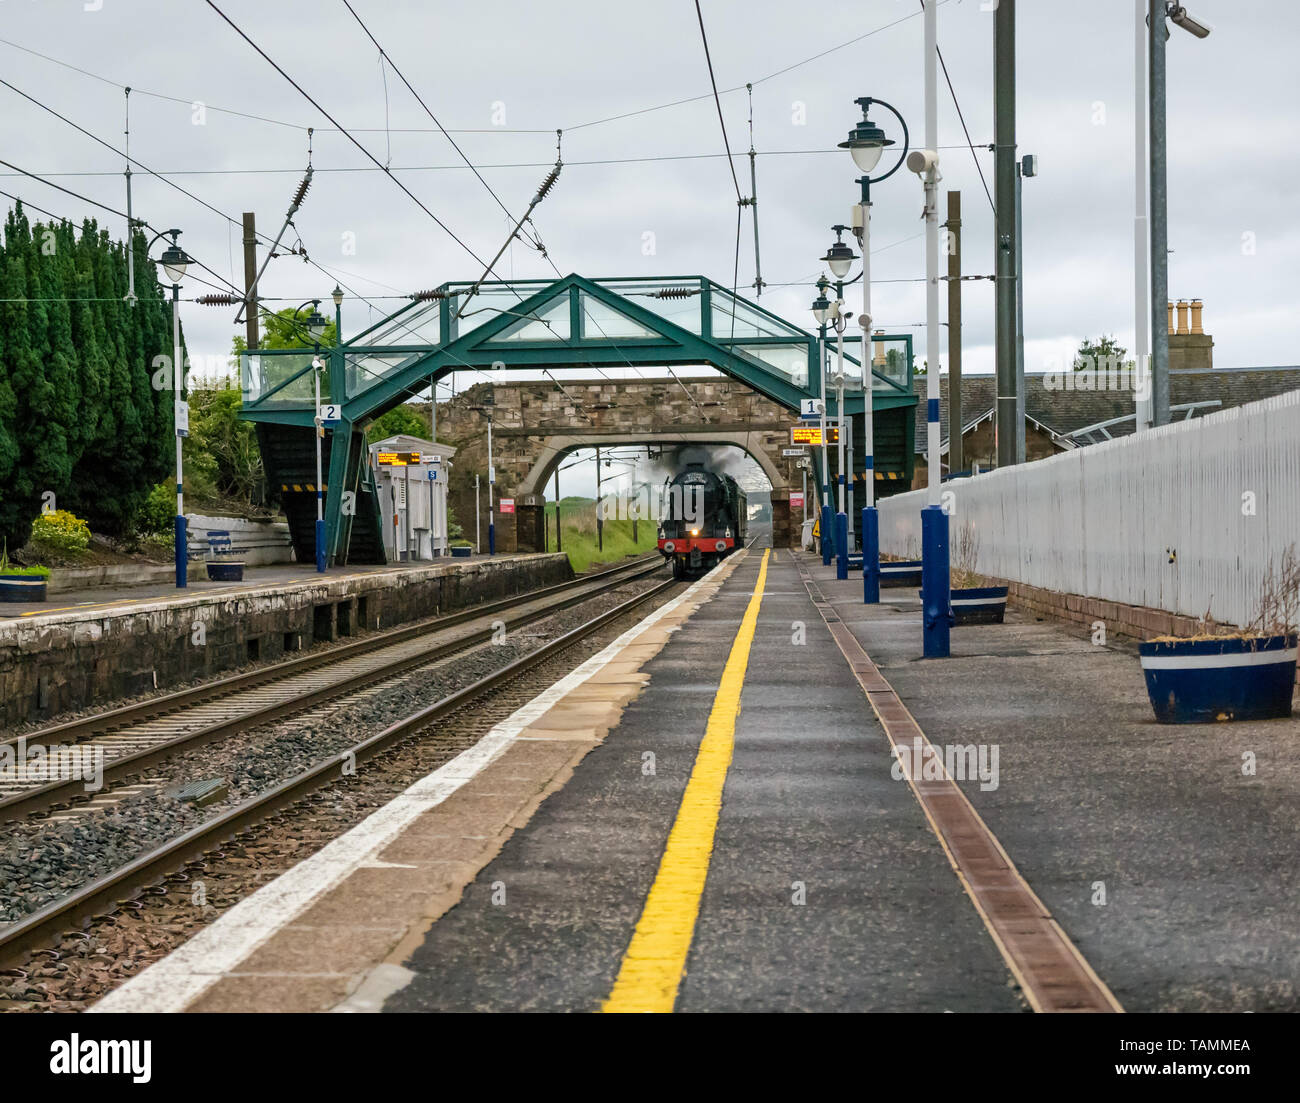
(579, 535)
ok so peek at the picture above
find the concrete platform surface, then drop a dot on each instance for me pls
(526, 875)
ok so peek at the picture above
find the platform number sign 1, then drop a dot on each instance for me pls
(331, 413)
(810, 408)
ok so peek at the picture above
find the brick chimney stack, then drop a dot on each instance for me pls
(1190, 347)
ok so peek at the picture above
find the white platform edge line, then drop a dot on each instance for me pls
(174, 982)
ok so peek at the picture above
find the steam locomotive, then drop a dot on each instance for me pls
(703, 520)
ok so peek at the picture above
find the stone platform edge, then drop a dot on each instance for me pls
(56, 662)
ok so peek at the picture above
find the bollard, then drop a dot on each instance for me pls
(182, 552)
(841, 545)
(827, 537)
(870, 556)
(936, 605)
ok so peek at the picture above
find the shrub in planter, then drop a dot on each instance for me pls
(461, 549)
(60, 531)
(21, 583)
(1245, 675)
(973, 602)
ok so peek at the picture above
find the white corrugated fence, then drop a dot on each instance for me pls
(1220, 494)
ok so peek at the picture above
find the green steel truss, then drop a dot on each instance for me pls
(572, 322)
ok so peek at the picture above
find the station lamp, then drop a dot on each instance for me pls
(866, 141)
(821, 307)
(839, 257)
(174, 260)
(316, 322)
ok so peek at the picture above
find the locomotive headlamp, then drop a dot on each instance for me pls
(695, 532)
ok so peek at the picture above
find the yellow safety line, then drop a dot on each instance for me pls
(656, 957)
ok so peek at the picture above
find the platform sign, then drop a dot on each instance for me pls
(182, 416)
(798, 453)
(331, 414)
(812, 435)
(507, 505)
(429, 457)
(811, 408)
(796, 500)
(398, 459)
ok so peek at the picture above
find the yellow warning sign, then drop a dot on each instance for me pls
(812, 434)
(817, 527)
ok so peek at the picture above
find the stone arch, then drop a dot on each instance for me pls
(547, 451)
(553, 448)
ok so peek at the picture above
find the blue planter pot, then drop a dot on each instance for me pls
(979, 605)
(22, 587)
(905, 572)
(1209, 681)
(461, 552)
(225, 572)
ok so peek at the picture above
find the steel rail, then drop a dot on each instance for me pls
(96, 723)
(65, 792)
(82, 905)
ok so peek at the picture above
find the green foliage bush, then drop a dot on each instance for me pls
(60, 531)
(158, 514)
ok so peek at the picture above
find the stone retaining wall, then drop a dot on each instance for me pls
(71, 660)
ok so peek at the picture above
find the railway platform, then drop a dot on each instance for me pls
(85, 647)
(762, 798)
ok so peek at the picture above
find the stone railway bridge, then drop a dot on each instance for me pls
(535, 425)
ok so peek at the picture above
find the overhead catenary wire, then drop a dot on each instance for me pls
(275, 65)
(291, 170)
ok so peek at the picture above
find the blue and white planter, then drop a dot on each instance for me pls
(22, 587)
(1210, 681)
(979, 605)
(904, 572)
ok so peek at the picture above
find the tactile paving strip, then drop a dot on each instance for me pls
(1052, 973)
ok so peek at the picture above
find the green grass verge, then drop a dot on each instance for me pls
(580, 536)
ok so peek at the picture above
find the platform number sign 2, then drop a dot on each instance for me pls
(331, 414)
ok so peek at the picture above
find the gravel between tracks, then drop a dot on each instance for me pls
(42, 861)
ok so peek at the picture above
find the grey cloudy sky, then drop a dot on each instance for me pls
(1232, 132)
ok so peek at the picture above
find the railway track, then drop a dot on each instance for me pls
(133, 737)
(148, 871)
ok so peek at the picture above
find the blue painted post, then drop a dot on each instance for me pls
(320, 539)
(870, 556)
(841, 545)
(936, 608)
(828, 538)
(182, 556)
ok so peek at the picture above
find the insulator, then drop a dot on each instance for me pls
(219, 299)
(301, 193)
(676, 292)
(425, 296)
(547, 184)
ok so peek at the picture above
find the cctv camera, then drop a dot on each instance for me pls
(1178, 15)
(921, 161)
